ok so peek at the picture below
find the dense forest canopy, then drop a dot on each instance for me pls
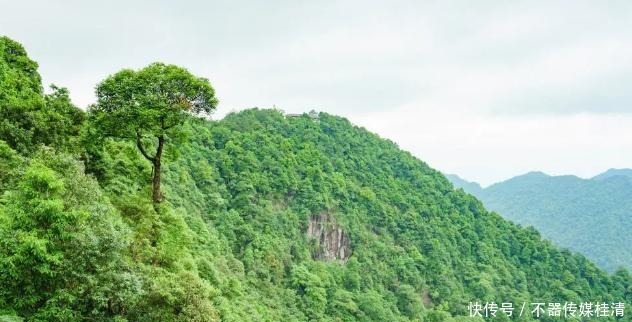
(232, 240)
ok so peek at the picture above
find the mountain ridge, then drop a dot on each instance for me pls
(550, 203)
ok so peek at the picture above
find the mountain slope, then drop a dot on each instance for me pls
(409, 229)
(266, 218)
(589, 216)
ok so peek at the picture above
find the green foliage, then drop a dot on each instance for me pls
(150, 101)
(20, 95)
(10, 164)
(60, 245)
(61, 121)
(29, 118)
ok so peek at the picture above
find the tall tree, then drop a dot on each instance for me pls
(149, 106)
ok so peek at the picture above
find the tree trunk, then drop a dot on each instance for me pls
(156, 193)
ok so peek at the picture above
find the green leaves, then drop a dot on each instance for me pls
(20, 95)
(29, 118)
(58, 235)
(151, 101)
(10, 164)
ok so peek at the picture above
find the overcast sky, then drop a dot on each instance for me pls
(483, 89)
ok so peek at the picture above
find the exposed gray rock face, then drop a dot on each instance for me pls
(332, 240)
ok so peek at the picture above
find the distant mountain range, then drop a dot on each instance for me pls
(591, 216)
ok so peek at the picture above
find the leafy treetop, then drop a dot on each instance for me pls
(150, 104)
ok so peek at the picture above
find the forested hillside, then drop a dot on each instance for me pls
(590, 216)
(260, 217)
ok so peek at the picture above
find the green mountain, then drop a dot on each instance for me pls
(590, 216)
(265, 217)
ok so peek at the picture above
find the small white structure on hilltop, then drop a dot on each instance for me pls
(312, 115)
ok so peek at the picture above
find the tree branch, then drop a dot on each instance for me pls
(139, 144)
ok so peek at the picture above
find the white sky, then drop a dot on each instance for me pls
(483, 89)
